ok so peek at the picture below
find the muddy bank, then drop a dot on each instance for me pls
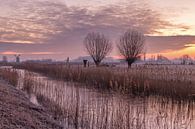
(16, 111)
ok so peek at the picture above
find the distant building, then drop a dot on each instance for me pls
(46, 61)
(162, 58)
(186, 59)
(67, 61)
(17, 58)
(4, 60)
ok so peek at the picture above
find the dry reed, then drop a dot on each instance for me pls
(9, 75)
(141, 81)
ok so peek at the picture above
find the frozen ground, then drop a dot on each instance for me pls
(17, 112)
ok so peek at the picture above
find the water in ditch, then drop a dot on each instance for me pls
(81, 107)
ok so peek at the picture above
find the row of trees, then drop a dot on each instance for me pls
(130, 46)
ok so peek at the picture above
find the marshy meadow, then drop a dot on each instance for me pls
(143, 97)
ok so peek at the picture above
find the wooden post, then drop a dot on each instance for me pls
(85, 63)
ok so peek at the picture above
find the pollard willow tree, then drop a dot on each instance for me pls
(97, 46)
(131, 45)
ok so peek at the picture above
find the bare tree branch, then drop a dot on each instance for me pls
(131, 45)
(97, 46)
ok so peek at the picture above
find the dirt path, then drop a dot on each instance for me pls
(17, 112)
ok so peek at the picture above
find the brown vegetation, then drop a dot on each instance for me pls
(9, 75)
(88, 108)
(142, 81)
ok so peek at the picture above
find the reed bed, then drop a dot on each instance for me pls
(80, 107)
(28, 83)
(174, 82)
(9, 75)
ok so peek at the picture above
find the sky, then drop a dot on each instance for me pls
(39, 29)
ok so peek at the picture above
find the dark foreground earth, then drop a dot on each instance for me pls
(17, 112)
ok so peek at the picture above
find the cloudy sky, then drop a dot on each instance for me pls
(56, 29)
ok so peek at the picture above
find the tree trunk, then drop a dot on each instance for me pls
(129, 64)
(130, 61)
(97, 64)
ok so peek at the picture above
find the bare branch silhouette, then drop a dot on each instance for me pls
(97, 46)
(131, 45)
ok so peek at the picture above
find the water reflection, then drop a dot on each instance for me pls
(82, 107)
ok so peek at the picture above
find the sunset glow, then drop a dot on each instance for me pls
(177, 54)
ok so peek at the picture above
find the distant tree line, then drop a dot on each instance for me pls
(130, 46)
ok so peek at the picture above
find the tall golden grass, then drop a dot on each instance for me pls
(88, 108)
(143, 81)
